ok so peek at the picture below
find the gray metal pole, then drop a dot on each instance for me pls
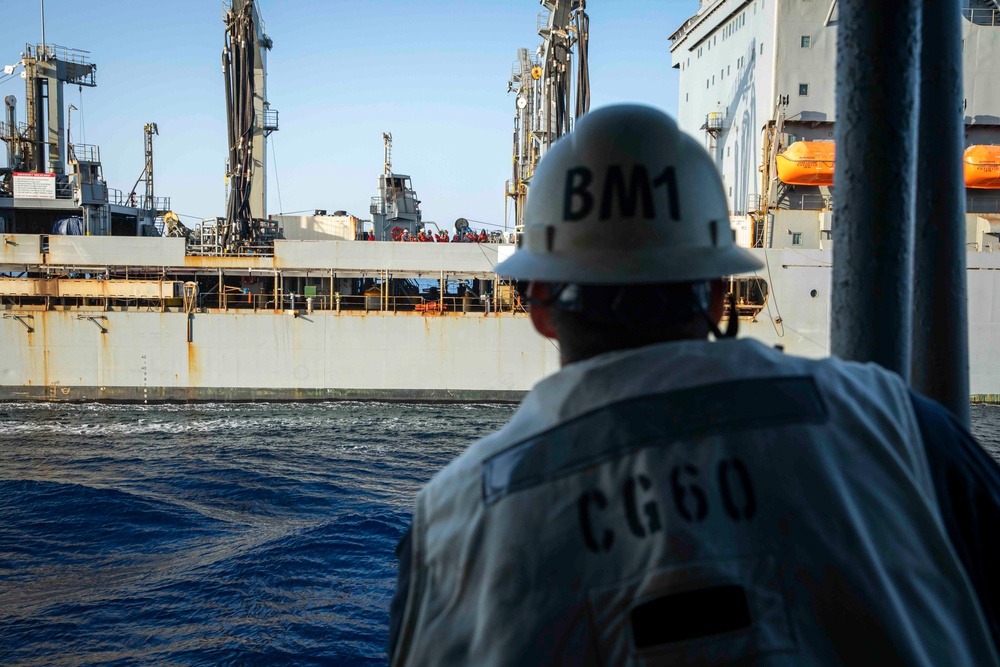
(940, 357)
(878, 50)
(43, 55)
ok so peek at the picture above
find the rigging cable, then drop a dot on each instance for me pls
(767, 301)
(277, 184)
(83, 118)
(583, 60)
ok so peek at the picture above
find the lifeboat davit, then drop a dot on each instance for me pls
(982, 167)
(806, 163)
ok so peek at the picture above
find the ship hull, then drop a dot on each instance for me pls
(146, 355)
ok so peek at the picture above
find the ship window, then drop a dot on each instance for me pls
(803, 89)
(743, 19)
(686, 96)
(713, 79)
(796, 238)
(806, 41)
(761, 49)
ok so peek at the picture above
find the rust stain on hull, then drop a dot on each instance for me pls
(194, 367)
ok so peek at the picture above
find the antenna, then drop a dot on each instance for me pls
(43, 27)
(387, 153)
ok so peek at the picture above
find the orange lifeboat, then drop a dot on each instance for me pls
(982, 167)
(806, 163)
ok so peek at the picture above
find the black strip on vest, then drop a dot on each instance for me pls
(648, 421)
(690, 615)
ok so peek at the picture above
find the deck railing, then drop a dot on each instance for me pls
(979, 16)
(118, 197)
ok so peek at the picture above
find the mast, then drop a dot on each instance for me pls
(544, 88)
(250, 120)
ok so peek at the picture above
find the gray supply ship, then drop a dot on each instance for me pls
(137, 307)
(757, 87)
(106, 295)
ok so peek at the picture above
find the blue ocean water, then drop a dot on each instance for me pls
(252, 534)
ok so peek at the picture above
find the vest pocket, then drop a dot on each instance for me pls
(702, 614)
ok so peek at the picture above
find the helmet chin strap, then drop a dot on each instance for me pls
(732, 326)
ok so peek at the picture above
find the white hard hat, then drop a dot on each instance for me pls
(626, 198)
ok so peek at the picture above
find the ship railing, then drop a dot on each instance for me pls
(806, 202)
(64, 187)
(67, 55)
(94, 302)
(80, 69)
(235, 298)
(975, 203)
(542, 22)
(714, 121)
(980, 16)
(86, 152)
(980, 204)
(268, 120)
(682, 32)
(15, 131)
(118, 197)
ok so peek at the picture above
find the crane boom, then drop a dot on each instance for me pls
(544, 87)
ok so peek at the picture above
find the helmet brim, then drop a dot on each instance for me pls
(655, 265)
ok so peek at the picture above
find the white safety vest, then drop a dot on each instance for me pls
(693, 503)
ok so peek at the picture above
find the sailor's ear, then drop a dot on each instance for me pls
(541, 314)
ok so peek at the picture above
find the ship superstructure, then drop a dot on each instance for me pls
(395, 208)
(757, 85)
(48, 178)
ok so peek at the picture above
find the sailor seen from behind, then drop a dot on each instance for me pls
(665, 499)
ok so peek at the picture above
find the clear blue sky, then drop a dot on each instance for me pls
(434, 73)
